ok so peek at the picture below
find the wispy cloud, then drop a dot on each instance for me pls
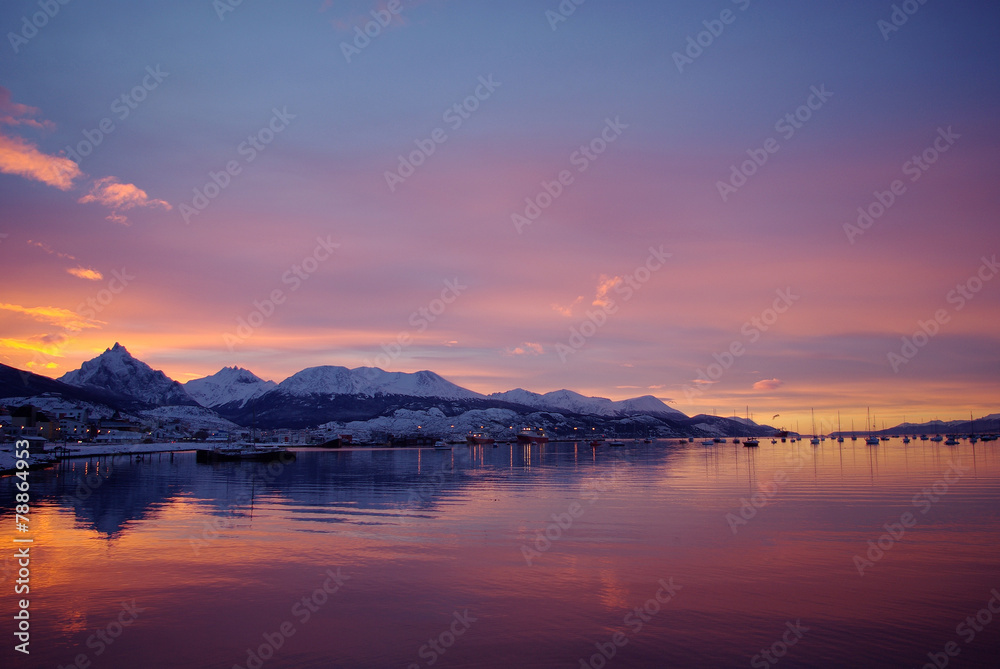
(13, 113)
(120, 197)
(567, 310)
(85, 273)
(54, 315)
(32, 346)
(48, 249)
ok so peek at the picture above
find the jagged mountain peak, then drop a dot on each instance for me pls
(118, 371)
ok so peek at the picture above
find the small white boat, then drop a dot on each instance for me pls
(708, 442)
(442, 445)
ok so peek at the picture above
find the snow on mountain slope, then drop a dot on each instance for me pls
(646, 404)
(118, 371)
(230, 384)
(329, 380)
(567, 400)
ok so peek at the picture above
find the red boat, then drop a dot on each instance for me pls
(532, 436)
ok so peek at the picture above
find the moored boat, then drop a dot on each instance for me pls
(532, 436)
(241, 451)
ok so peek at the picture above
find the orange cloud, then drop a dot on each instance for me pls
(21, 345)
(84, 273)
(604, 286)
(20, 157)
(567, 311)
(55, 315)
(120, 197)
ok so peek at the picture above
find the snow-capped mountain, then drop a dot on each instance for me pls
(230, 384)
(371, 381)
(116, 370)
(567, 400)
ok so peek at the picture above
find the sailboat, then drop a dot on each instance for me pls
(752, 441)
(840, 437)
(906, 437)
(815, 440)
(972, 437)
(854, 437)
(872, 440)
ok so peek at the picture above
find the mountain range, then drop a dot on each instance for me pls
(323, 395)
(368, 400)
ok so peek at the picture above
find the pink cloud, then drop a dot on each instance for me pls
(13, 113)
(768, 384)
(526, 348)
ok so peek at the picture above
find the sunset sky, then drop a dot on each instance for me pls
(303, 124)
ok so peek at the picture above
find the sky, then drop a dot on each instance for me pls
(784, 205)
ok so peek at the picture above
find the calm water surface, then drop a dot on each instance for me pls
(762, 550)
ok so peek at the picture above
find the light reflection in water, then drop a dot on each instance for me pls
(220, 555)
